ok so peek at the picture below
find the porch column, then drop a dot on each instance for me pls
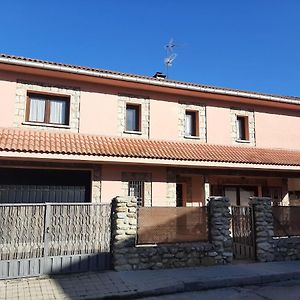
(219, 228)
(206, 191)
(263, 226)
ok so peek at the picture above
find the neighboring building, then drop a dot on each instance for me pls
(76, 134)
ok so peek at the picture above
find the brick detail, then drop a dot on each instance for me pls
(20, 106)
(145, 114)
(251, 119)
(201, 110)
(146, 178)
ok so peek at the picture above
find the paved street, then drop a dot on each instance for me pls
(133, 284)
(288, 290)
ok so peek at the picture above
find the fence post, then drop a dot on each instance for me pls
(124, 231)
(219, 228)
(46, 235)
(263, 226)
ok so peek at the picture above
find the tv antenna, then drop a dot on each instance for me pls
(170, 55)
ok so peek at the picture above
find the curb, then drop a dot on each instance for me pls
(194, 286)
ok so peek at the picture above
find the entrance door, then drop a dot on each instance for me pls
(181, 194)
(239, 195)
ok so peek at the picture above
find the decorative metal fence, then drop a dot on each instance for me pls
(243, 232)
(286, 220)
(158, 225)
(53, 238)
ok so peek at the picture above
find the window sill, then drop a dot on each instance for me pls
(46, 125)
(243, 141)
(192, 137)
(133, 132)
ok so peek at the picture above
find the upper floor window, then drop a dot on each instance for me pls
(133, 117)
(242, 127)
(48, 109)
(191, 123)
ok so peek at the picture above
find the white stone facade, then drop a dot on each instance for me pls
(144, 111)
(22, 89)
(234, 113)
(201, 112)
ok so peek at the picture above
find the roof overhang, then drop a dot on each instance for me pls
(99, 76)
(71, 158)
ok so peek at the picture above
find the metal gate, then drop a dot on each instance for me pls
(38, 239)
(243, 232)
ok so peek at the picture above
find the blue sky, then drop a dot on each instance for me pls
(250, 45)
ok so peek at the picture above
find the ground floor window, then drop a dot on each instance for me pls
(136, 189)
(42, 185)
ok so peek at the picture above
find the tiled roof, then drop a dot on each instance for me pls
(32, 141)
(147, 79)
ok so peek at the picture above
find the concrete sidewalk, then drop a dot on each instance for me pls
(136, 284)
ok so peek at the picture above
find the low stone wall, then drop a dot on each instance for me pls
(269, 248)
(286, 248)
(129, 256)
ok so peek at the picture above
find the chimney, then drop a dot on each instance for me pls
(160, 75)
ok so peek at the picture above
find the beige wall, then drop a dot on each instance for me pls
(96, 111)
(278, 129)
(218, 125)
(7, 99)
(112, 182)
(164, 120)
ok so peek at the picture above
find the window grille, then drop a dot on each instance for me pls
(136, 189)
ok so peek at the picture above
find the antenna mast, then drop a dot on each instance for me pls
(170, 55)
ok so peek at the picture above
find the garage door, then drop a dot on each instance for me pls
(41, 185)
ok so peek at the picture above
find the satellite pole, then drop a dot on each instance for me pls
(170, 55)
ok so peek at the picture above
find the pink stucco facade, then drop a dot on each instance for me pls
(274, 127)
(100, 112)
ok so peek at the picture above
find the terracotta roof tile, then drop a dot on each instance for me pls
(32, 141)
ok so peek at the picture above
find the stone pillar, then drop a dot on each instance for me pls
(263, 225)
(96, 184)
(219, 226)
(124, 229)
(206, 192)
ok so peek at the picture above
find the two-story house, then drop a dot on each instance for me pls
(77, 134)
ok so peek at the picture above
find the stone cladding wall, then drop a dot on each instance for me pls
(127, 255)
(268, 247)
(145, 115)
(263, 224)
(245, 113)
(22, 89)
(201, 111)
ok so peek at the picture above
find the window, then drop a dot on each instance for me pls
(191, 123)
(133, 117)
(48, 109)
(242, 128)
(136, 189)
